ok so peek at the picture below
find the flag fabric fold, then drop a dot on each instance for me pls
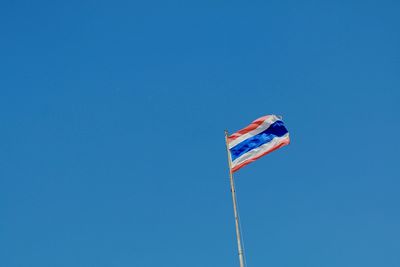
(261, 137)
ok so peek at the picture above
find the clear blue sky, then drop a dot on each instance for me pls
(112, 146)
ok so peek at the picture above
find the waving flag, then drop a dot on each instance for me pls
(261, 137)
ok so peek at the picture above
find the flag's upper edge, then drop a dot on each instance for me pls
(248, 128)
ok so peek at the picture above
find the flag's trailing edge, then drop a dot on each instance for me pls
(261, 137)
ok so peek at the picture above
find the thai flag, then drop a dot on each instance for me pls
(261, 137)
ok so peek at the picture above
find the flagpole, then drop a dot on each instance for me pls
(239, 242)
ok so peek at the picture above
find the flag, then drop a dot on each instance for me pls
(261, 137)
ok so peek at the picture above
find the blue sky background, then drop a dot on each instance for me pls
(112, 146)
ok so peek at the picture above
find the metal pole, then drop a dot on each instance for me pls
(239, 242)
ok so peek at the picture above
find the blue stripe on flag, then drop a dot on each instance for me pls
(277, 129)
